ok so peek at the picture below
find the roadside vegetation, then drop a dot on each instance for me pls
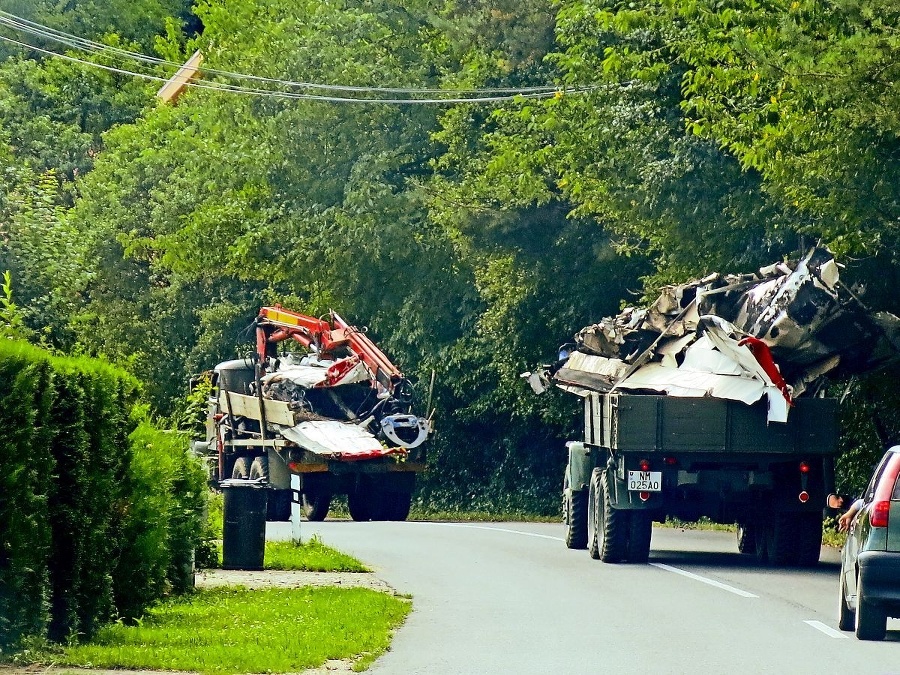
(472, 239)
(236, 630)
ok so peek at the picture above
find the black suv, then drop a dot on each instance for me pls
(870, 559)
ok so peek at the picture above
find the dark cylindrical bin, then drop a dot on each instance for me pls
(244, 527)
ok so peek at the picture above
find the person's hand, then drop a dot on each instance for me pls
(844, 521)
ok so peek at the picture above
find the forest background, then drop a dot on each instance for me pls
(471, 238)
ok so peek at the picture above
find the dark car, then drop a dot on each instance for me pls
(870, 559)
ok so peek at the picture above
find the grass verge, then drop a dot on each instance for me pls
(235, 630)
(310, 556)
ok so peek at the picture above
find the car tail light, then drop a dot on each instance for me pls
(881, 505)
(878, 517)
(644, 464)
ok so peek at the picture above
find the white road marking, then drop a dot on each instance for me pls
(828, 630)
(705, 580)
(496, 529)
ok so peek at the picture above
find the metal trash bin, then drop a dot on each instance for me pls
(244, 527)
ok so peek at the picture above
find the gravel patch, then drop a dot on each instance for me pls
(289, 579)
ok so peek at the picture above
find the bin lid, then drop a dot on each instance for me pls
(244, 483)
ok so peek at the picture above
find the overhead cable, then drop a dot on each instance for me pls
(234, 89)
(481, 94)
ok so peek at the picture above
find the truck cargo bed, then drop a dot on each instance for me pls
(668, 424)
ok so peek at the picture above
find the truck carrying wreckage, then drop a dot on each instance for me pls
(708, 404)
(339, 417)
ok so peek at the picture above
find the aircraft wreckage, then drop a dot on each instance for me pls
(775, 334)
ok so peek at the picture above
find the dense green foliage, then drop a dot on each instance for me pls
(99, 511)
(472, 239)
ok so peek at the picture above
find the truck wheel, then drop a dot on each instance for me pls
(809, 539)
(746, 541)
(241, 468)
(396, 504)
(260, 468)
(359, 503)
(640, 531)
(575, 513)
(609, 532)
(846, 616)
(871, 620)
(782, 539)
(279, 505)
(761, 542)
(316, 505)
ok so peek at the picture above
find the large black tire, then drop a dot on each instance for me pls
(278, 504)
(871, 620)
(396, 504)
(809, 539)
(846, 616)
(609, 527)
(746, 539)
(575, 516)
(260, 468)
(640, 531)
(241, 468)
(359, 504)
(316, 505)
(781, 535)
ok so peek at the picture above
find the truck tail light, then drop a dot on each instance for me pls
(804, 467)
(644, 464)
(878, 517)
(671, 461)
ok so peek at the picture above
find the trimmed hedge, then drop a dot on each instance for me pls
(99, 511)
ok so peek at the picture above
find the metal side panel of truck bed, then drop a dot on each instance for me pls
(650, 423)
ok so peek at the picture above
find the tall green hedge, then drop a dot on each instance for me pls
(99, 510)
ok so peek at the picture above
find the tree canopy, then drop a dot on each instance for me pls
(687, 136)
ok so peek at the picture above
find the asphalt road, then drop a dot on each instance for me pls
(510, 598)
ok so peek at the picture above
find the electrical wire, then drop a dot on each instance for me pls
(234, 89)
(481, 94)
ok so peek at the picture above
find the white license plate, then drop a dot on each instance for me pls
(645, 481)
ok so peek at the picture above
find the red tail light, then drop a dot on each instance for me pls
(644, 496)
(644, 464)
(671, 461)
(803, 497)
(881, 506)
(878, 517)
(804, 467)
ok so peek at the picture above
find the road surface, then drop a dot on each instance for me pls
(510, 598)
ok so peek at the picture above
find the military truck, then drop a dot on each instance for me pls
(646, 458)
(710, 403)
(336, 412)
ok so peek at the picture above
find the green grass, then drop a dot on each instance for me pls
(235, 630)
(311, 556)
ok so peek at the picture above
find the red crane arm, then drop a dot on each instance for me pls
(275, 324)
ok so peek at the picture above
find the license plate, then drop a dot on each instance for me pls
(645, 481)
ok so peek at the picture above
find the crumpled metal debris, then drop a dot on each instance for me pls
(776, 333)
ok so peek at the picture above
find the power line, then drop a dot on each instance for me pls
(75, 42)
(233, 89)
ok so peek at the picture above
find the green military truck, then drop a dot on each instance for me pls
(647, 457)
